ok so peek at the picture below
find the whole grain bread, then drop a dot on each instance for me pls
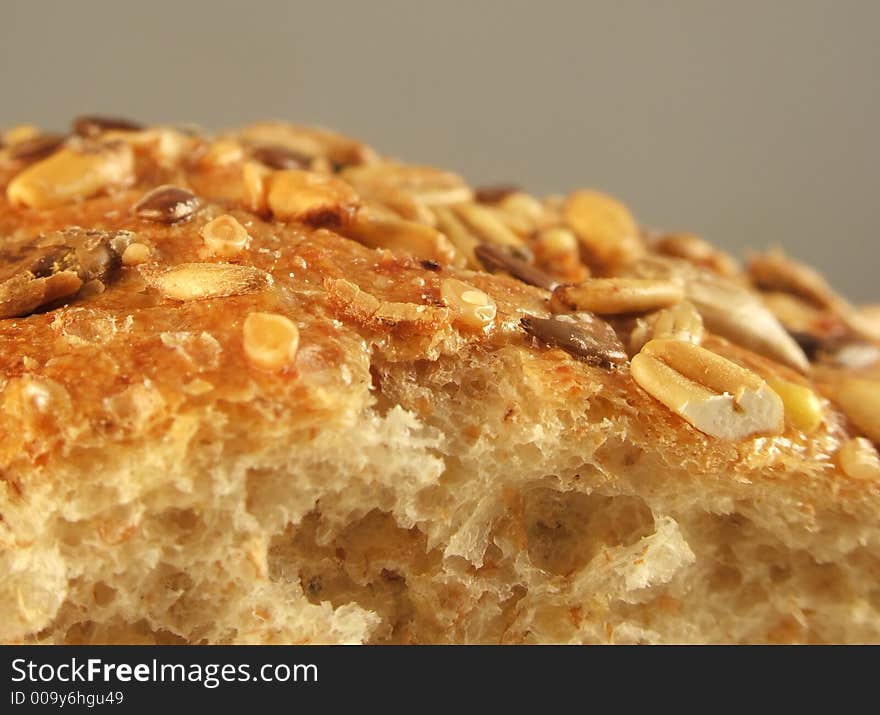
(269, 386)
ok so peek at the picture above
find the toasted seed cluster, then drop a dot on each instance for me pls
(699, 327)
(494, 194)
(727, 308)
(60, 268)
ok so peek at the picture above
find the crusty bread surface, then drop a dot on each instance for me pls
(420, 461)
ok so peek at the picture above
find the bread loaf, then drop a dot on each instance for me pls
(270, 386)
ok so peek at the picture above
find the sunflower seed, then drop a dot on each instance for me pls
(738, 315)
(197, 281)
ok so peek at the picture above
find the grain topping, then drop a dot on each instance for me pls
(270, 340)
(610, 296)
(37, 147)
(713, 394)
(858, 459)
(167, 204)
(860, 399)
(585, 336)
(72, 174)
(66, 262)
(197, 281)
(92, 125)
(311, 198)
(470, 305)
(605, 228)
(225, 236)
(279, 157)
(495, 258)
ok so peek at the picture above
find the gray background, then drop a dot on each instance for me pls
(752, 123)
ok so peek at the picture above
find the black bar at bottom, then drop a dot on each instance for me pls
(407, 678)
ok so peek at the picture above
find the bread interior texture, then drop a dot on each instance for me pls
(444, 502)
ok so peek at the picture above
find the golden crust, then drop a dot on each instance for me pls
(115, 337)
(123, 364)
